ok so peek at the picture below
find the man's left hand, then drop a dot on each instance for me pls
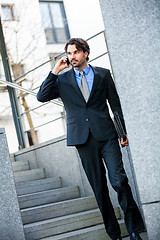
(124, 143)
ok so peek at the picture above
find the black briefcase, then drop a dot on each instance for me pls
(119, 126)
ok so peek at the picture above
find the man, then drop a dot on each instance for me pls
(84, 91)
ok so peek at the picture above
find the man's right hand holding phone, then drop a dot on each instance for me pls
(61, 65)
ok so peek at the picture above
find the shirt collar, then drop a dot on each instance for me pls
(85, 70)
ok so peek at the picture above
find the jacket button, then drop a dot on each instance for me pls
(86, 119)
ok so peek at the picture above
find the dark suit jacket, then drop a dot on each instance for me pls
(82, 116)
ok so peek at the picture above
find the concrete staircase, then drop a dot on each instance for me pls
(53, 212)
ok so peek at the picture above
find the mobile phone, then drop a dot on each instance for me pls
(67, 61)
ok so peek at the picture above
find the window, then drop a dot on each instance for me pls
(18, 70)
(7, 12)
(54, 21)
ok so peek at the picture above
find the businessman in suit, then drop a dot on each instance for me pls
(85, 90)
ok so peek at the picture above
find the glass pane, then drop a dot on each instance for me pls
(56, 15)
(49, 35)
(61, 35)
(7, 13)
(46, 20)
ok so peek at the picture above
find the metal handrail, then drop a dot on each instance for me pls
(54, 58)
(34, 108)
(93, 59)
(53, 120)
(16, 86)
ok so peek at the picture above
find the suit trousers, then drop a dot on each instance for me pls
(93, 156)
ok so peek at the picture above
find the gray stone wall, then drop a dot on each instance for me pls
(133, 37)
(10, 219)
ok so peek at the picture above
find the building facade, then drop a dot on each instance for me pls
(35, 32)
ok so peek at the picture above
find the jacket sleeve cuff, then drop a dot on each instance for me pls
(54, 73)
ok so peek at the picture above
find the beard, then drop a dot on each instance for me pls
(77, 64)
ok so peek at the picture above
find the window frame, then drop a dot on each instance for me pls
(10, 6)
(66, 29)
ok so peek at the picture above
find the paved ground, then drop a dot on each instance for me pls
(143, 236)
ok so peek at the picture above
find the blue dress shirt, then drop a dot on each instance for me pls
(89, 75)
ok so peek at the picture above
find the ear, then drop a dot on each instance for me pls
(86, 54)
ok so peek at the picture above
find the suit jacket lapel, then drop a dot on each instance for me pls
(95, 82)
(72, 79)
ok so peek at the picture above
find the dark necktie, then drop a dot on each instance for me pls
(84, 86)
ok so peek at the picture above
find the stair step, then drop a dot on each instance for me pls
(50, 196)
(38, 185)
(59, 209)
(63, 224)
(67, 207)
(97, 232)
(20, 166)
(92, 233)
(29, 175)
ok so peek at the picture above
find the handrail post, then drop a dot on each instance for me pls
(11, 91)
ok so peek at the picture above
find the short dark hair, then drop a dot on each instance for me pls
(80, 43)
